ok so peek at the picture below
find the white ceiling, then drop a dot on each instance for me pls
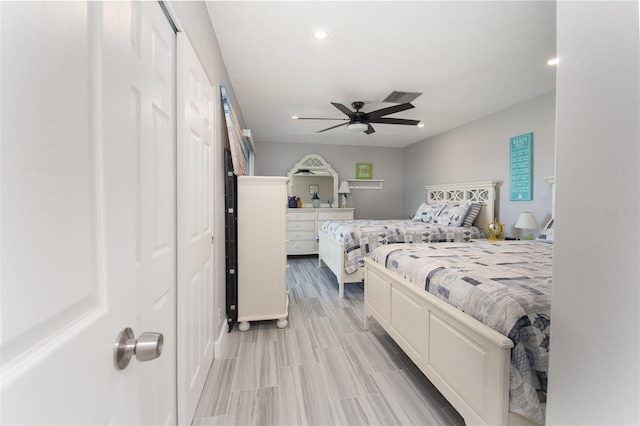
(469, 59)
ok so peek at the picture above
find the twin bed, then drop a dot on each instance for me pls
(344, 245)
(473, 315)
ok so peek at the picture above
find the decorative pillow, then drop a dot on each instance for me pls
(474, 211)
(418, 216)
(452, 214)
(427, 212)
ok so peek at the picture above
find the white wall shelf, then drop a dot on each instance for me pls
(365, 183)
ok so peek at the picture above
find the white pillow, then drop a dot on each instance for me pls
(428, 212)
(452, 214)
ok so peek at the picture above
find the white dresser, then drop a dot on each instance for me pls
(262, 259)
(303, 226)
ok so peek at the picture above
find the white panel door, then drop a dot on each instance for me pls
(153, 44)
(67, 245)
(195, 228)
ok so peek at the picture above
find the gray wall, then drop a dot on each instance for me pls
(594, 363)
(275, 159)
(480, 151)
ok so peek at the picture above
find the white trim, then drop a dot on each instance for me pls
(173, 15)
(551, 180)
(220, 342)
(365, 183)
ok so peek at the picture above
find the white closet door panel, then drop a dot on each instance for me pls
(196, 270)
(153, 92)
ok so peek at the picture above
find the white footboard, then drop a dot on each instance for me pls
(466, 360)
(332, 253)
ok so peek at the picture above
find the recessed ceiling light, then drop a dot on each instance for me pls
(420, 124)
(320, 35)
(553, 61)
(294, 117)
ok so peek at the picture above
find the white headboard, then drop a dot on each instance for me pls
(471, 192)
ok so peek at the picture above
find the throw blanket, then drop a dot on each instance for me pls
(361, 237)
(505, 285)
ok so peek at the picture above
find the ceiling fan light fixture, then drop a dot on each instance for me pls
(357, 127)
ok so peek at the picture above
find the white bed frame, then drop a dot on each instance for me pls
(332, 251)
(466, 360)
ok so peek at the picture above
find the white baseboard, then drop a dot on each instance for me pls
(218, 345)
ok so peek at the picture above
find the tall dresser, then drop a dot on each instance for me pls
(303, 225)
(262, 257)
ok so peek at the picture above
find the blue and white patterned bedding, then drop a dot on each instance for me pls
(361, 237)
(505, 285)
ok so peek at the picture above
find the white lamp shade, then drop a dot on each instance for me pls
(344, 188)
(526, 221)
(357, 127)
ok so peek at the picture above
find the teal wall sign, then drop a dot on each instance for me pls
(520, 157)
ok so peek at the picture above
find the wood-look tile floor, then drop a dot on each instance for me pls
(322, 369)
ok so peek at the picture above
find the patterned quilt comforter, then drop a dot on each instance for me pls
(505, 285)
(361, 237)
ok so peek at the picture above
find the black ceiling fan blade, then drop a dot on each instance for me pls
(333, 127)
(389, 110)
(317, 118)
(369, 130)
(346, 111)
(389, 120)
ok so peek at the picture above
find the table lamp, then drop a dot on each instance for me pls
(343, 191)
(527, 221)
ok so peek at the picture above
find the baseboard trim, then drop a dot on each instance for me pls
(218, 345)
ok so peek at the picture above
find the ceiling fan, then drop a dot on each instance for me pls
(361, 121)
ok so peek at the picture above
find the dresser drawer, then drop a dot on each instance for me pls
(324, 216)
(305, 247)
(294, 215)
(301, 235)
(293, 225)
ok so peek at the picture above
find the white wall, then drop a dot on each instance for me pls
(275, 159)
(595, 328)
(480, 151)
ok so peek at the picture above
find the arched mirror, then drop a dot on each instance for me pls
(312, 173)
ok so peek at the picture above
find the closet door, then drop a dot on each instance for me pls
(153, 93)
(196, 269)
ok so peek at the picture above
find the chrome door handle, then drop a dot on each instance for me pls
(145, 348)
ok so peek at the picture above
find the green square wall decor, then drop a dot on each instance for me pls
(364, 170)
